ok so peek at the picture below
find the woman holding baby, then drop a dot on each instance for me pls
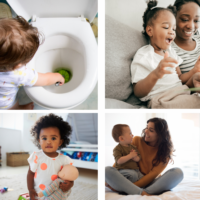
(156, 150)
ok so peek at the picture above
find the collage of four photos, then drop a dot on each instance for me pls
(100, 100)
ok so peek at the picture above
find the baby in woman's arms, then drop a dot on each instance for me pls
(126, 155)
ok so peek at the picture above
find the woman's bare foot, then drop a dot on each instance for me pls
(28, 106)
(145, 193)
(106, 184)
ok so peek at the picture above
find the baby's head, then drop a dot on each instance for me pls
(159, 25)
(51, 133)
(69, 173)
(121, 133)
(18, 43)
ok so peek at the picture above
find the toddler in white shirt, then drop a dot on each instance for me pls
(156, 76)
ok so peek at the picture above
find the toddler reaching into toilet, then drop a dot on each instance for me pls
(19, 42)
(69, 173)
(50, 134)
(126, 155)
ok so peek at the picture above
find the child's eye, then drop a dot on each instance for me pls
(165, 27)
(53, 138)
(196, 21)
(44, 138)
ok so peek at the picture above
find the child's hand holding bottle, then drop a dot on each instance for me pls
(161, 70)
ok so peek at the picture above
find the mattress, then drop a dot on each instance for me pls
(186, 190)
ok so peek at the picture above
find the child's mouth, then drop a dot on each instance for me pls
(48, 146)
(169, 40)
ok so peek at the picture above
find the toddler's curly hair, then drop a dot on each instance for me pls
(19, 42)
(152, 13)
(52, 120)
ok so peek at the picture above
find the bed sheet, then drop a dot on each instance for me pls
(186, 190)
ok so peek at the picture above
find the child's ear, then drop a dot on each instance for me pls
(61, 141)
(120, 138)
(149, 30)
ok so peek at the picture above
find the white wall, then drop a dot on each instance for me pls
(130, 12)
(136, 122)
(10, 141)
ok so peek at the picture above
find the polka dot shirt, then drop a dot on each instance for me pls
(46, 168)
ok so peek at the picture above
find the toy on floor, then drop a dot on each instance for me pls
(3, 190)
(24, 196)
(69, 173)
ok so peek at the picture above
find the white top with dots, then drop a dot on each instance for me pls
(46, 168)
(11, 81)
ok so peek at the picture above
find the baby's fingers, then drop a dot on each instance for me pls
(169, 59)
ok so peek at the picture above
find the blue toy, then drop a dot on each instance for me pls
(3, 189)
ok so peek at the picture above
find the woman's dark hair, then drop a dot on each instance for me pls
(52, 120)
(152, 13)
(178, 3)
(164, 142)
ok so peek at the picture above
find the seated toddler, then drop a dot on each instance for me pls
(126, 155)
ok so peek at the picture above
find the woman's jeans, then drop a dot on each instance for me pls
(123, 182)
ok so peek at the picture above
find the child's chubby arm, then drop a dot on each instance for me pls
(186, 78)
(30, 184)
(130, 156)
(49, 79)
(136, 158)
(144, 86)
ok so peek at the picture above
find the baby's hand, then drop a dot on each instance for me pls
(65, 186)
(33, 194)
(197, 65)
(133, 153)
(60, 79)
(160, 71)
(40, 194)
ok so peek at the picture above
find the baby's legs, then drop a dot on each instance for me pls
(28, 106)
(130, 174)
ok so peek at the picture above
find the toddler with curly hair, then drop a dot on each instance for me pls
(50, 134)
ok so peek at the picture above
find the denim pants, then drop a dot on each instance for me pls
(119, 182)
(132, 175)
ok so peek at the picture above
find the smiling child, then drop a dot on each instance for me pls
(156, 76)
(50, 134)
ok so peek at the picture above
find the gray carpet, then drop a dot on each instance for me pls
(17, 185)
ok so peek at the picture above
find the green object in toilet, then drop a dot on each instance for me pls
(66, 74)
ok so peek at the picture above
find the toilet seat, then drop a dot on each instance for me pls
(83, 34)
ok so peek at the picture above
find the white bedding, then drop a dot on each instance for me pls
(186, 190)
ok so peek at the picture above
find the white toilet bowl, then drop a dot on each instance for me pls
(70, 44)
